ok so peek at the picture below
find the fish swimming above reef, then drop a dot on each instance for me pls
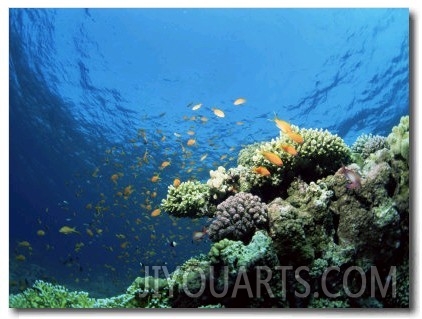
(355, 180)
(273, 158)
(261, 170)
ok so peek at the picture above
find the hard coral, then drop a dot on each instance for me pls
(238, 217)
(189, 199)
(399, 139)
(321, 154)
(366, 144)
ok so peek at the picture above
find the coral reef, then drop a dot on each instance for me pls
(320, 154)
(189, 199)
(329, 237)
(219, 274)
(46, 295)
(398, 139)
(238, 217)
(222, 182)
(366, 144)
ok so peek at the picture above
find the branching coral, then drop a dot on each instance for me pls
(189, 199)
(46, 295)
(238, 217)
(366, 144)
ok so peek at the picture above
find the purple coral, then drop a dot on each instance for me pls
(238, 217)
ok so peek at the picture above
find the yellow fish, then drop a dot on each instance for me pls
(20, 258)
(68, 230)
(218, 112)
(40, 232)
(239, 101)
(24, 244)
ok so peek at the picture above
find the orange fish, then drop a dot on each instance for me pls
(155, 178)
(165, 164)
(282, 125)
(114, 178)
(176, 182)
(289, 149)
(218, 112)
(261, 170)
(239, 101)
(156, 212)
(295, 137)
(128, 190)
(273, 158)
(191, 142)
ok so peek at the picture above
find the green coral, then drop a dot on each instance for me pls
(399, 139)
(189, 199)
(287, 229)
(46, 295)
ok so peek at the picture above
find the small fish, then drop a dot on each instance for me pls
(295, 137)
(355, 180)
(24, 244)
(176, 182)
(156, 212)
(165, 164)
(20, 258)
(114, 178)
(282, 125)
(289, 149)
(40, 232)
(191, 142)
(155, 178)
(239, 101)
(196, 106)
(66, 230)
(203, 157)
(218, 112)
(261, 170)
(199, 235)
(171, 243)
(273, 158)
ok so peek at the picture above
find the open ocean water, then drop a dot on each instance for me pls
(102, 115)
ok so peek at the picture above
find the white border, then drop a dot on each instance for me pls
(4, 144)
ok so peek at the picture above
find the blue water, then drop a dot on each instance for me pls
(104, 91)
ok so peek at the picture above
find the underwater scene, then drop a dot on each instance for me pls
(209, 158)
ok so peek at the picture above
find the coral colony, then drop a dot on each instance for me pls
(289, 230)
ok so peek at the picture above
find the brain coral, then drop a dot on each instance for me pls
(238, 217)
(189, 199)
